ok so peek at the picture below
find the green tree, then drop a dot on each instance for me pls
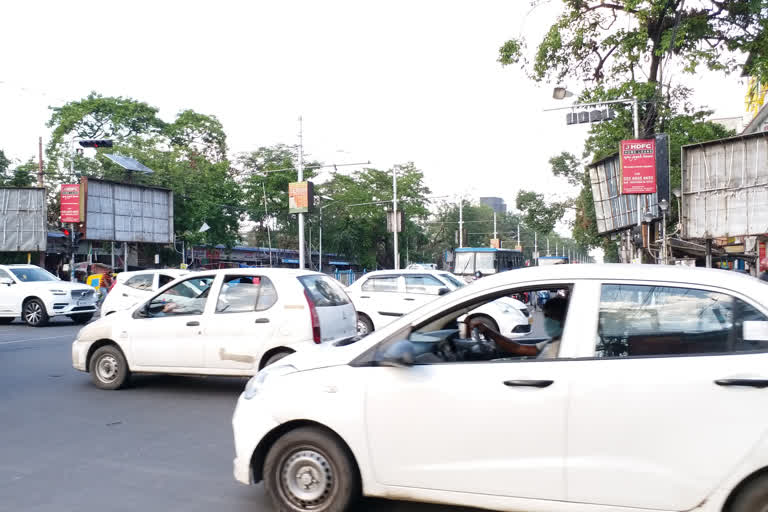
(539, 214)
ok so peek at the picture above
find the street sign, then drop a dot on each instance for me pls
(70, 203)
(638, 166)
(300, 197)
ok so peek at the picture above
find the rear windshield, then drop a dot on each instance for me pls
(324, 291)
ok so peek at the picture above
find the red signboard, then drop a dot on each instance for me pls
(762, 267)
(70, 203)
(638, 166)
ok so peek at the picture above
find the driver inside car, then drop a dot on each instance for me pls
(554, 320)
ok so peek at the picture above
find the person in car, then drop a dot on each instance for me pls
(554, 321)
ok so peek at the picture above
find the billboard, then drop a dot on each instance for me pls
(70, 203)
(300, 197)
(123, 212)
(616, 211)
(725, 187)
(23, 219)
(638, 166)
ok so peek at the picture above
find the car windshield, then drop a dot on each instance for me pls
(451, 281)
(485, 262)
(31, 274)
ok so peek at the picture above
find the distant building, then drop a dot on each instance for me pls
(737, 124)
(496, 203)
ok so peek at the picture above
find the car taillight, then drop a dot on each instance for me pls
(315, 319)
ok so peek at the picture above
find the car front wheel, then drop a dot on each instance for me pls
(109, 369)
(34, 313)
(309, 469)
(752, 497)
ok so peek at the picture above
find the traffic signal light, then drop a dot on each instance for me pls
(96, 143)
(79, 235)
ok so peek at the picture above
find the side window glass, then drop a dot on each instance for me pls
(657, 320)
(4, 274)
(164, 279)
(424, 284)
(241, 294)
(381, 284)
(184, 298)
(140, 282)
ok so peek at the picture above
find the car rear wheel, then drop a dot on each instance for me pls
(309, 469)
(109, 369)
(34, 313)
(276, 357)
(364, 325)
(753, 497)
(81, 318)
(5, 320)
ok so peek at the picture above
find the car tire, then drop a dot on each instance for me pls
(752, 497)
(364, 325)
(5, 320)
(108, 367)
(34, 314)
(309, 468)
(276, 357)
(82, 318)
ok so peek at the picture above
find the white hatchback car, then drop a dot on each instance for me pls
(381, 296)
(655, 400)
(220, 322)
(137, 286)
(36, 296)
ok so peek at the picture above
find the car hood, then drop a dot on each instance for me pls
(322, 356)
(55, 285)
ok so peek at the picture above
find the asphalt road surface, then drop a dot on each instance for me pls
(165, 443)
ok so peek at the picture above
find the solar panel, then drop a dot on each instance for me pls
(129, 164)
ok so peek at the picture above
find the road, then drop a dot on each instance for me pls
(164, 443)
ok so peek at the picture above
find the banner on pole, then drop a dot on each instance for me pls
(70, 203)
(638, 166)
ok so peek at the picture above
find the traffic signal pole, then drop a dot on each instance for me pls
(72, 253)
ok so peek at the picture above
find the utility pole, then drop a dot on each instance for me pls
(40, 163)
(494, 224)
(395, 223)
(536, 247)
(461, 222)
(301, 178)
(518, 234)
(269, 231)
(548, 252)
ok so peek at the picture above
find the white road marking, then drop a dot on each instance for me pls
(33, 339)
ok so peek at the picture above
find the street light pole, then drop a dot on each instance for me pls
(461, 222)
(395, 219)
(301, 178)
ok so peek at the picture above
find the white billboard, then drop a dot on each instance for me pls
(122, 212)
(23, 220)
(725, 187)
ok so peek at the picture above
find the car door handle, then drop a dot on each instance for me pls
(408, 298)
(528, 383)
(261, 321)
(364, 297)
(754, 383)
(125, 295)
(193, 323)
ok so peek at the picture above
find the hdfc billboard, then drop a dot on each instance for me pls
(70, 203)
(638, 166)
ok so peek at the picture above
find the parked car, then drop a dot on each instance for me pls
(422, 266)
(654, 400)
(36, 296)
(218, 322)
(137, 286)
(380, 297)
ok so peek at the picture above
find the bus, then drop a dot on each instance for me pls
(487, 260)
(553, 260)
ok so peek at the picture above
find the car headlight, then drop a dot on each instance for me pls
(57, 292)
(258, 381)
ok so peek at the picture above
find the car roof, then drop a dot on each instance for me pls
(266, 271)
(405, 271)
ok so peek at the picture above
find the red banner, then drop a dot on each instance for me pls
(638, 166)
(70, 203)
(760, 265)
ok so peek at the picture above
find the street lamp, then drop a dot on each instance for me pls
(664, 206)
(560, 93)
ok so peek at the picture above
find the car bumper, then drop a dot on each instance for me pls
(79, 355)
(250, 423)
(64, 308)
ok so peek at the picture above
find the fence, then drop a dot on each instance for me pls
(346, 277)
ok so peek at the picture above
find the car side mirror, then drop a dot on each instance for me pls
(7, 281)
(398, 355)
(443, 290)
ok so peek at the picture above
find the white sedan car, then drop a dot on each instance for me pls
(220, 322)
(36, 296)
(137, 286)
(380, 297)
(654, 398)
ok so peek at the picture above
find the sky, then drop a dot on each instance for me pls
(385, 82)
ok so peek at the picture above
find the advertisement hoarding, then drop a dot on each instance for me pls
(23, 219)
(300, 197)
(70, 203)
(725, 187)
(638, 166)
(123, 212)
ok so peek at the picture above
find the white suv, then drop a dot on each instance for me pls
(36, 295)
(219, 322)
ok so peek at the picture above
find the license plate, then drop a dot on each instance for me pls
(82, 302)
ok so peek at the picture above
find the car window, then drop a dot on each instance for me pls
(645, 320)
(241, 294)
(381, 284)
(423, 284)
(33, 274)
(324, 291)
(164, 279)
(453, 280)
(140, 282)
(185, 298)
(5, 274)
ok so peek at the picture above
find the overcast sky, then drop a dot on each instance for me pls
(388, 82)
